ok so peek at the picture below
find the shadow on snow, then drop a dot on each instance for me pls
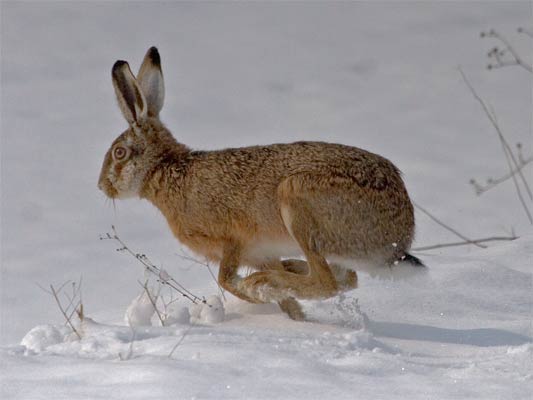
(484, 337)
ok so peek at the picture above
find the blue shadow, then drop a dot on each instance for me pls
(484, 337)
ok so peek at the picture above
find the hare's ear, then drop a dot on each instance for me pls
(150, 78)
(129, 94)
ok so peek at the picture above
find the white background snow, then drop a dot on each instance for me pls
(379, 75)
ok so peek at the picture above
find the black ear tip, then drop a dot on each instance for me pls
(153, 53)
(118, 65)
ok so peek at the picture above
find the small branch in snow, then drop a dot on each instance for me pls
(506, 56)
(205, 263)
(75, 301)
(181, 340)
(464, 243)
(525, 31)
(493, 182)
(129, 354)
(455, 232)
(162, 276)
(64, 311)
(153, 301)
(512, 161)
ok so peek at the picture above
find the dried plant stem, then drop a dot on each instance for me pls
(501, 136)
(525, 32)
(205, 264)
(511, 159)
(76, 297)
(153, 301)
(455, 232)
(508, 47)
(69, 322)
(463, 243)
(129, 354)
(181, 340)
(162, 276)
(480, 189)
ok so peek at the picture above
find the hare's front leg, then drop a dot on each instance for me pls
(227, 273)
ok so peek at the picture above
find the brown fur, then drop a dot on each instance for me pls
(324, 200)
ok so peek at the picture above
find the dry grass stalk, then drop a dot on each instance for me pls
(447, 227)
(464, 243)
(506, 56)
(161, 275)
(512, 160)
(75, 305)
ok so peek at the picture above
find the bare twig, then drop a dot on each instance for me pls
(453, 244)
(499, 55)
(129, 354)
(76, 293)
(166, 305)
(78, 310)
(511, 159)
(44, 289)
(147, 291)
(69, 322)
(525, 32)
(181, 340)
(455, 232)
(186, 257)
(493, 182)
(222, 291)
(496, 126)
(162, 276)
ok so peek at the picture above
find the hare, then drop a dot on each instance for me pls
(339, 206)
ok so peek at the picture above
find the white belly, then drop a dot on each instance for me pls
(273, 249)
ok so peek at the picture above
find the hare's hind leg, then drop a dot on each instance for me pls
(289, 305)
(319, 282)
(346, 279)
(289, 265)
(228, 279)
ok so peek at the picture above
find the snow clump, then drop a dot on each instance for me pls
(43, 336)
(210, 312)
(140, 311)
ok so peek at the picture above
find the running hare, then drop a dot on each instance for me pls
(341, 207)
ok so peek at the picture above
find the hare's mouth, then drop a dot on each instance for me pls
(107, 187)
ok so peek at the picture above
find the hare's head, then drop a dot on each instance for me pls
(139, 149)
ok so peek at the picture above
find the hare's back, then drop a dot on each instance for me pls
(247, 175)
(238, 179)
(281, 160)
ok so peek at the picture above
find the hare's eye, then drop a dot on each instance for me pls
(120, 153)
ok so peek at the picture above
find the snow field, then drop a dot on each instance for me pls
(378, 75)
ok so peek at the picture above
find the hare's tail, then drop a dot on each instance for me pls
(414, 261)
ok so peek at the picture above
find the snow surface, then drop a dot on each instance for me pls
(378, 75)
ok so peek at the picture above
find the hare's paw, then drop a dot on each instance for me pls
(295, 266)
(346, 279)
(279, 285)
(292, 308)
(268, 286)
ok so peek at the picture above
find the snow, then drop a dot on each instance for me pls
(140, 311)
(378, 75)
(210, 312)
(43, 336)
